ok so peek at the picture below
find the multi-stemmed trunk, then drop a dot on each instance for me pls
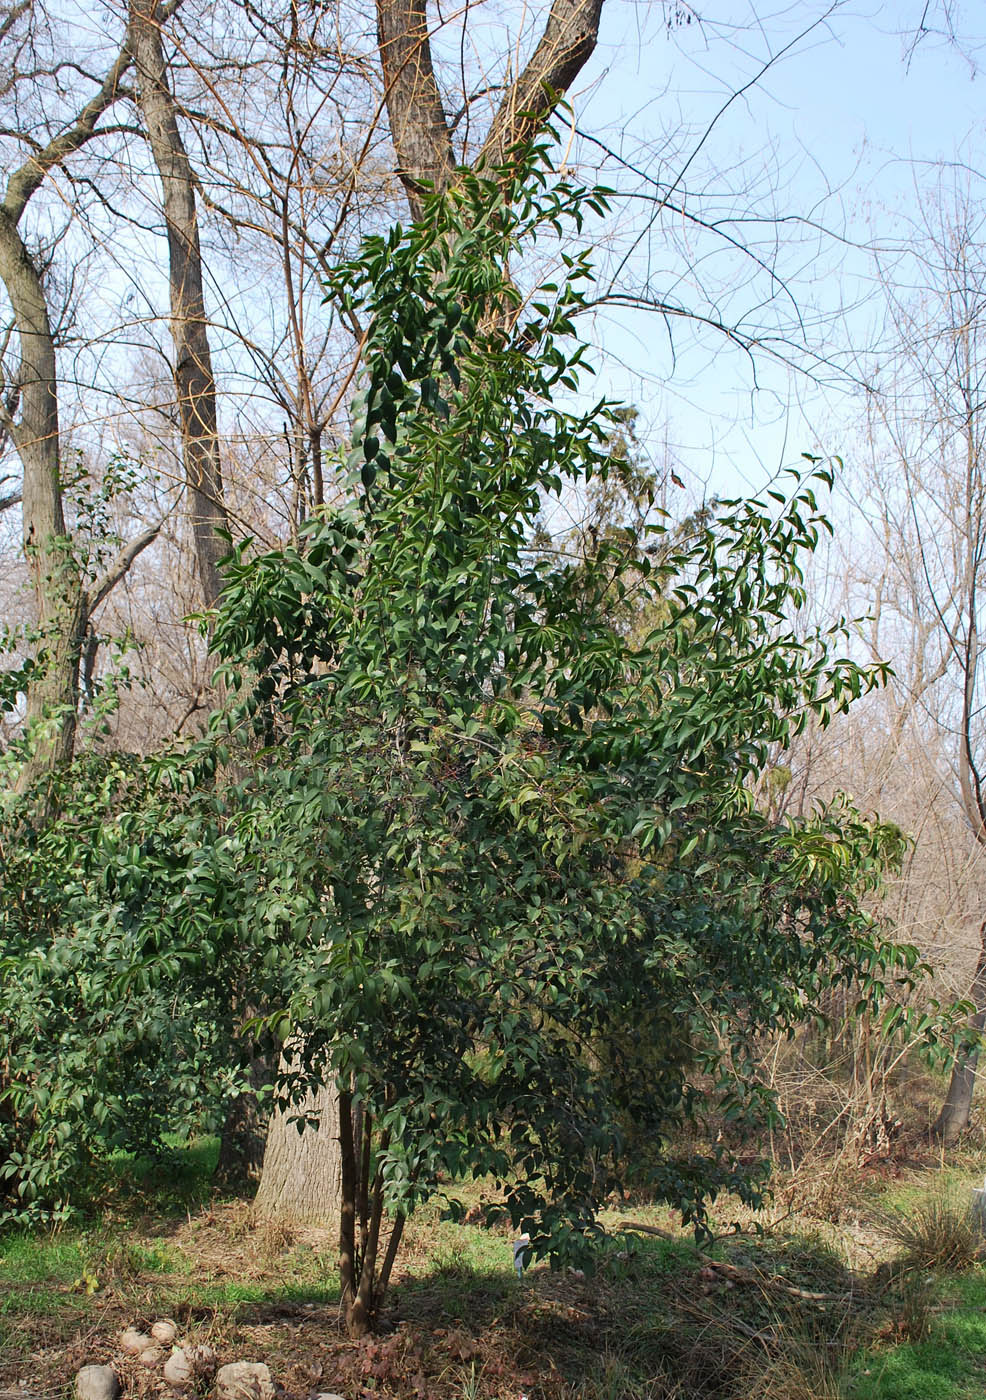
(365, 1264)
(332, 1173)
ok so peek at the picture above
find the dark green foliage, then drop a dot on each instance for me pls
(531, 898)
(115, 1030)
(492, 865)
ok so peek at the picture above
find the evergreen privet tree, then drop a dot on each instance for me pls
(490, 864)
(535, 913)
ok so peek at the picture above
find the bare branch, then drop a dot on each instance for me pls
(27, 178)
(119, 567)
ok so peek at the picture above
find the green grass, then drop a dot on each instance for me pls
(925, 1371)
(223, 1296)
(904, 1195)
(949, 1365)
(66, 1256)
(652, 1321)
(27, 1258)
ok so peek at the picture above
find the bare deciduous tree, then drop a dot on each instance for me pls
(29, 412)
(195, 384)
(928, 431)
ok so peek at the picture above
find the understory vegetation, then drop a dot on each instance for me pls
(473, 842)
(856, 1284)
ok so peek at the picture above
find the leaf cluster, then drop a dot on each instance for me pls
(481, 855)
(537, 916)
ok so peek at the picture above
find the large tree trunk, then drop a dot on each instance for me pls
(195, 385)
(418, 125)
(302, 1173)
(953, 1119)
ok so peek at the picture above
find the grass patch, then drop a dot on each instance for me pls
(936, 1231)
(27, 1258)
(222, 1296)
(949, 1363)
(84, 1259)
(657, 1320)
(926, 1371)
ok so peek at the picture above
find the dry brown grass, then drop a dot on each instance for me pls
(653, 1326)
(936, 1232)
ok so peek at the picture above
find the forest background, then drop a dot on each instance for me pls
(180, 186)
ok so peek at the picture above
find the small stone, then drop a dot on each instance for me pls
(185, 1365)
(97, 1383)
(134, 1342)
(151, 1356)
(244, 1380)
(203, 1359)
(178, 1369)
(328, 1395)
(165, 1331)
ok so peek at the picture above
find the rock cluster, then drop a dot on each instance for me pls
(183, 1368)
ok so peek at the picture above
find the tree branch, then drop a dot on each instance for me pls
(25, 180)
(116, 571)
(568, 42)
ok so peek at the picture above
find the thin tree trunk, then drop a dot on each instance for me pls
(363, 1284)
(195, 384)
(954, 1116)
(953, 1119)
(52, 697)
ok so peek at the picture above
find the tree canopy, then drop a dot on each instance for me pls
(480, 857)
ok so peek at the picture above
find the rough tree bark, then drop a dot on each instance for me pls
(418, 125)
(302, 1172)
(195, 385)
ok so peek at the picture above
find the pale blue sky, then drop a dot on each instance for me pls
(832, 129)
